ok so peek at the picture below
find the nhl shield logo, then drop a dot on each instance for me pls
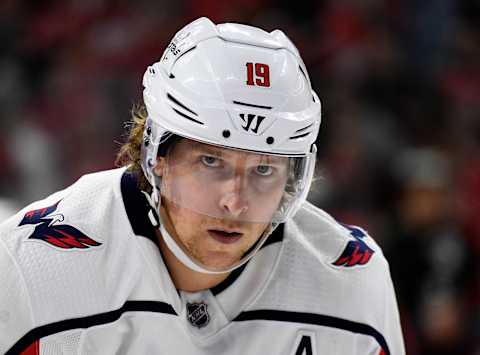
(197, 314)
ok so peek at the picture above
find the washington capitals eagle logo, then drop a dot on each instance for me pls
(357, 252)
(50, 231)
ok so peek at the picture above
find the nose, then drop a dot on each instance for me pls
(234, 200)
(233, 204)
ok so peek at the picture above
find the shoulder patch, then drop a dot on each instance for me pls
(357, 252)
(48, 229)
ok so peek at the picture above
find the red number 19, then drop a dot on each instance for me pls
(261, 77)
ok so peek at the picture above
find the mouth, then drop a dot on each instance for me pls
(225, 237)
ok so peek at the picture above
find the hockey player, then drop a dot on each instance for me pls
(203, 243)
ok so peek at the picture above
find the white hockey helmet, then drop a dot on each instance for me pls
(237, 87)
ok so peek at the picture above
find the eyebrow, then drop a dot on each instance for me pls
(203, 148)
(223, 152)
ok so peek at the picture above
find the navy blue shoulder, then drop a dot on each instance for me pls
(137, 207)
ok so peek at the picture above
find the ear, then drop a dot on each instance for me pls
(158, 170)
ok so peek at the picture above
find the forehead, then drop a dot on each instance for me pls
(187, 147)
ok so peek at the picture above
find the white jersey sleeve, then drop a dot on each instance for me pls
(15, 309)
(391, 324)
(348, 283)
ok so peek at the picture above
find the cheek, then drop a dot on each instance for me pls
(189, 191)
(186, 223)
(255, 232)
(277, 197)
(269, 194)
(263, 207)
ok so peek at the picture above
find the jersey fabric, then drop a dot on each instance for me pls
(81, 273)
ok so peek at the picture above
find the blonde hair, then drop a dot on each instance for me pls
(130, 154)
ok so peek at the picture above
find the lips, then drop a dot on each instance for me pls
(225, 237)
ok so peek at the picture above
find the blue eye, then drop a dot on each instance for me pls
(210, 161)
(264, 170)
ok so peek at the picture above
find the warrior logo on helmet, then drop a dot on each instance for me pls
(249, 120)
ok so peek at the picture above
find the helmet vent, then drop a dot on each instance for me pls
(252, 105)
(174, 100)
(300, 135)
(304, 128)
(302, 132)
(187, 117)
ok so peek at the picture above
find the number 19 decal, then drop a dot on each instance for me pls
(261, 77)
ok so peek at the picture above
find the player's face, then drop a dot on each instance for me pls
(219, 201)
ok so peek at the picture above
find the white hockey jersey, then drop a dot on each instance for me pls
(81, 273)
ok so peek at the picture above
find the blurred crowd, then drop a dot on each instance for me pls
(398, 149)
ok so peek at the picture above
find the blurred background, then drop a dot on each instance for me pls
(398, 149)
